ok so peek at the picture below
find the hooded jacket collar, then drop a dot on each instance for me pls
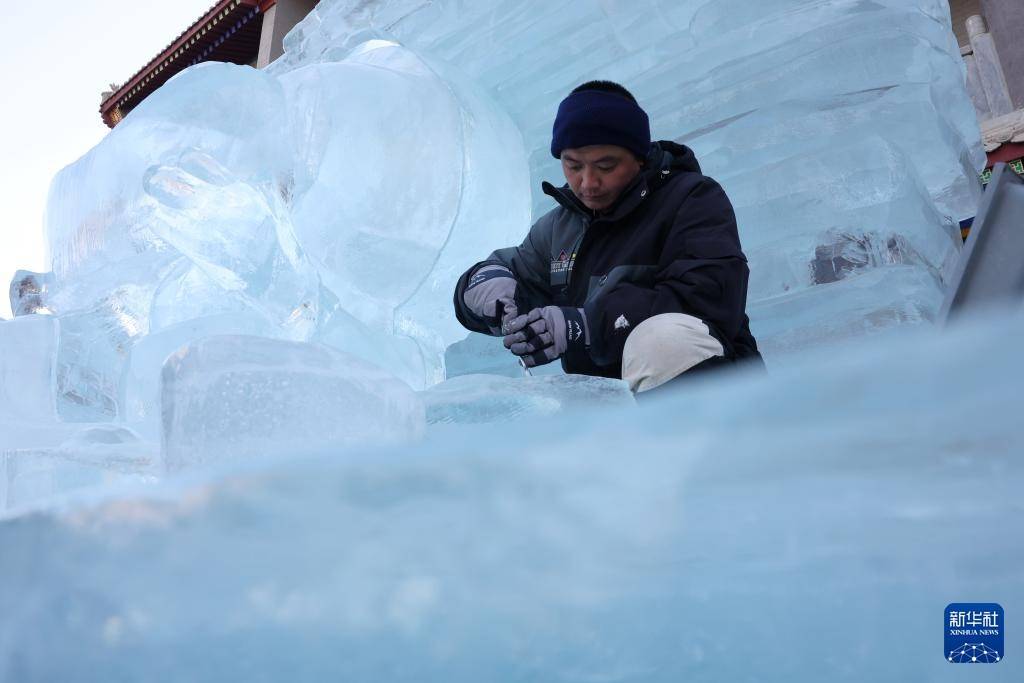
(665, 159)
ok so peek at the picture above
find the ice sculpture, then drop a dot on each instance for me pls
(338, 194)
(335, 196)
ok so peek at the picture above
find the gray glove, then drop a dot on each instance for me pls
(544, 334)
(486, 287)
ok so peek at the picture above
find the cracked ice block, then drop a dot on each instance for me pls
(237, 397)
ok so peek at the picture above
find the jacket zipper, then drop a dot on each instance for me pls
(577, 248)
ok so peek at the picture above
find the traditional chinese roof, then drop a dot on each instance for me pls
(228, 32)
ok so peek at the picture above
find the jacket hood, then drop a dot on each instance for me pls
(666, 154)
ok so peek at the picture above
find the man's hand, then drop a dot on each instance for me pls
(544, 334)
(487, 286)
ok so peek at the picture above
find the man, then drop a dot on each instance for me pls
(638, 274)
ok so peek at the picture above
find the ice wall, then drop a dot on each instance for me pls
(840, 128)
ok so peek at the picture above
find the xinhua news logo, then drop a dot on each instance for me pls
(974, 633)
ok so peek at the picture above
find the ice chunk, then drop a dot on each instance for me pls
(621, 545)
(140, 384)
(28, 362)
(94, 345)
(239, 397)
(28, 292)
(471, 399)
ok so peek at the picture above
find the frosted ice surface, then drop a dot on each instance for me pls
(472, 399)
(28, 361)
(687, 539)
(237, 397)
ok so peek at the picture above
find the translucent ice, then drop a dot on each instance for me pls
(28, 362)
(140, 383)
(215, 214)
(404, 176)
(687, 539)
(238, 397)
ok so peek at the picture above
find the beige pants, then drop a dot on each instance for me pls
(664, 347)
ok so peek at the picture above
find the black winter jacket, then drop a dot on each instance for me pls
(668, 245)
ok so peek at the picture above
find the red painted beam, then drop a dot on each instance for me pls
(1008, 151)
(183, 42)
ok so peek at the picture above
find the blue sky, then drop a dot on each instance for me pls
(55, 60)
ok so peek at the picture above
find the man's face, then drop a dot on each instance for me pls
(598, 174)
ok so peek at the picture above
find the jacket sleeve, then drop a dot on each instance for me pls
(701, 271)
(530, 263)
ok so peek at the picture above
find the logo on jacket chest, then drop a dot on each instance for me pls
(562, 263)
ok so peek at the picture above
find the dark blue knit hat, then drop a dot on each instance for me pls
(595, 117)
